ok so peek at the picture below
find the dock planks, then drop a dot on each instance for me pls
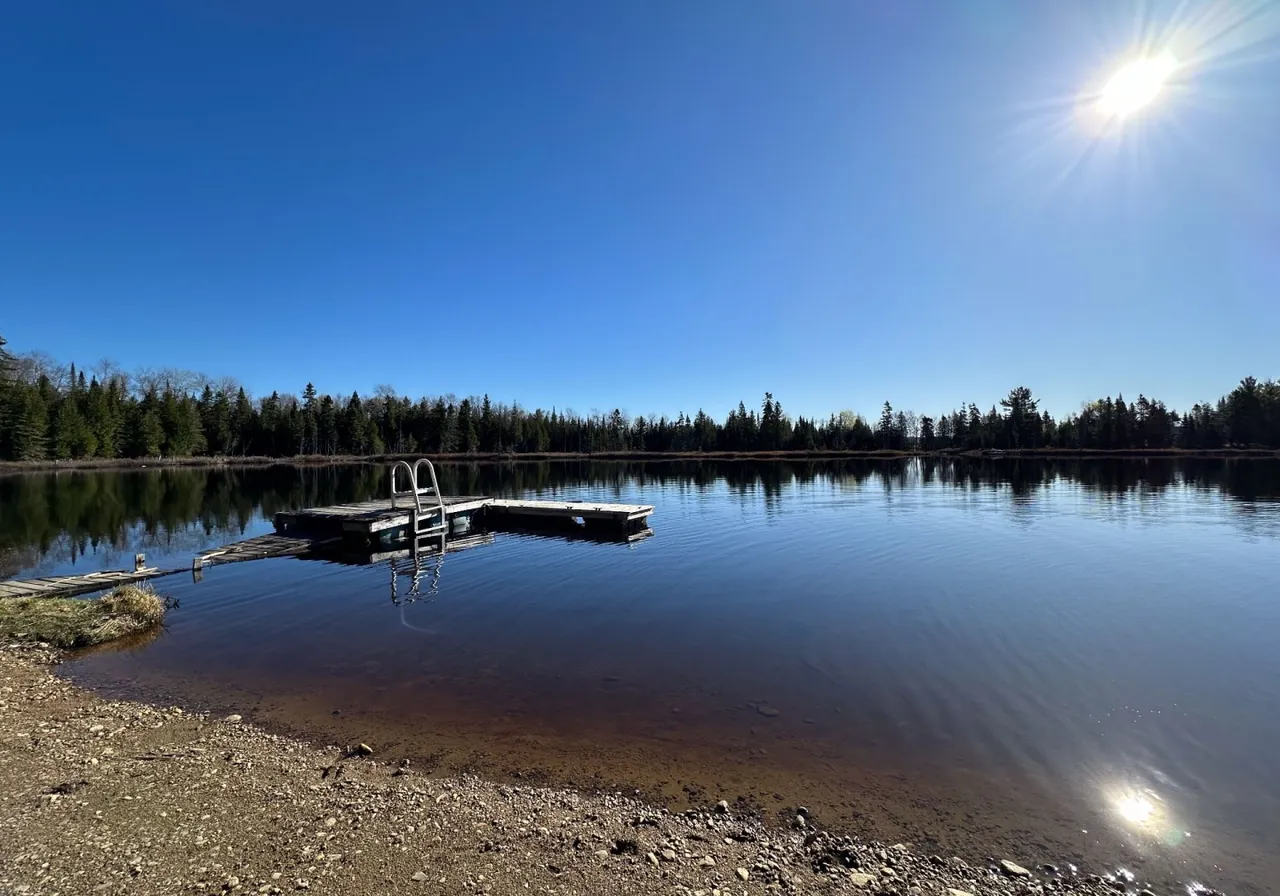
(258, 548)
(375, 517)
(69, 586)
(367, 516)
(586, 510)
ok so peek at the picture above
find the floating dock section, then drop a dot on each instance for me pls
(386, 520)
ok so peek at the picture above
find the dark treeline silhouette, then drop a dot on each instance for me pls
(53, 412)
(108, 515)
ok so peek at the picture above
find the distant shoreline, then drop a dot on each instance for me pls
(135, 463)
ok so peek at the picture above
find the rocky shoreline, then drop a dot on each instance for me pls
(105, 797)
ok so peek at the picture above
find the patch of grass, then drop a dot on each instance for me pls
(72, 622)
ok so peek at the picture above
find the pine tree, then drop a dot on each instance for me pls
(926, 433)
(269, 422)
(8, 403)
(6, 361)
(144, 433)
(354, 427)
(488, 432)
(71, 436)
(310, 422)
(974, 428)
(180, 420)
(328, 425)
(1022, 419)
(243, 424)
(885, 429)
(31, 425)
(215, 420)
(467, 435)
(101, 420)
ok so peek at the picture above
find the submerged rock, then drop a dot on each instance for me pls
(1013, 869)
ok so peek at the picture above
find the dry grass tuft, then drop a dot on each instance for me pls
(73, 622)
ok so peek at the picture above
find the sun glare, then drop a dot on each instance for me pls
(1136, 85)
(1135, 808)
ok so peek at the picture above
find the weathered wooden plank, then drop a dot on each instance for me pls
(373, 517)
(52, 586)
(258, 547)
(18, 589)
(570, 509)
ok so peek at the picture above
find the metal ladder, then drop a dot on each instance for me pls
(430, 519)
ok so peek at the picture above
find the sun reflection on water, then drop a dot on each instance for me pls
(1135, 808)
(1143, 811)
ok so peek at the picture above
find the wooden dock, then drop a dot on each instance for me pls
(383, 518)
(366, 517)
(258, 548)
(69, 586)
(418, 516)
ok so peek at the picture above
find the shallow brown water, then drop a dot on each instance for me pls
(1059, 662)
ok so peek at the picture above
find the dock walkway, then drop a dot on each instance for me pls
(258, 548)
(68, 586)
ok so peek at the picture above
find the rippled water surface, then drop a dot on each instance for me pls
(1068, 661)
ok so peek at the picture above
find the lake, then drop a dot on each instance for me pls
(1055, 661)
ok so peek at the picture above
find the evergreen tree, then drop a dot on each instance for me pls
(180, 422)
(71, 436)
(215, 421)
(489, 440)
(310, 423)
(269, 414)
(927, 435)
(468, 437)
(1244, 413)
(31, 425)
(144, 431)
(328, 426)
(885, 430)
(102, 419)
(1022, 422)
(243, 425)
(8, 403)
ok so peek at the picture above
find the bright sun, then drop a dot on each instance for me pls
(1136, 84)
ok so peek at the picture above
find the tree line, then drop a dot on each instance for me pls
(50, 411)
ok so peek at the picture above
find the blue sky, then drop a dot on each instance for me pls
(652, 205)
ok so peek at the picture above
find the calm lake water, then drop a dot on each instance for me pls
(1052, 661)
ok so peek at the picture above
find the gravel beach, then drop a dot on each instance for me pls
(103, 797)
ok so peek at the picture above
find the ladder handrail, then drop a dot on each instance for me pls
(415, 489)
(413, 484)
